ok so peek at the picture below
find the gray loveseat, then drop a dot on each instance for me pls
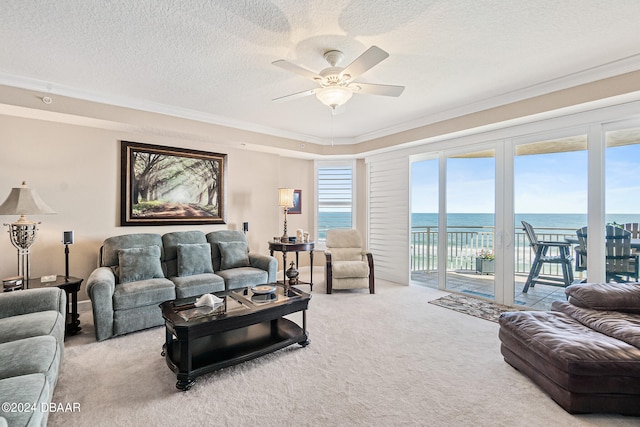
(137, 272)
(31, 349)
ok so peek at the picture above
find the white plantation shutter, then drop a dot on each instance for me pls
(335, 198)
(388, 206)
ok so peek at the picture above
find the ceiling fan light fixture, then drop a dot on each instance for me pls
(334, 96)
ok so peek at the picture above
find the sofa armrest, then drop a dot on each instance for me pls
(101, 285)
(266, 263)
(32, 301)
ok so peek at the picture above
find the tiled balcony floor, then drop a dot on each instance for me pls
(539, 297)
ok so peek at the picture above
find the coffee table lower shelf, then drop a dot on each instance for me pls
(213, 352)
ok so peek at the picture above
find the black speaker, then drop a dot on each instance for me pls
(67, 237)
(245, 226)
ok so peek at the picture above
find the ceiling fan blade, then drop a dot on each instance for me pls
(370, 58)
(374, 89)
(296, 69)
(295, 95)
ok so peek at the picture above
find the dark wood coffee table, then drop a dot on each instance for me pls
(243, 327)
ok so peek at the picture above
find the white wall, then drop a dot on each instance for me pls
(76, 171)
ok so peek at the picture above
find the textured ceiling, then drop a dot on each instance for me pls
(212, 59)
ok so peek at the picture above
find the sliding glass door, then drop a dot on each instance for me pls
(622, 195)
(424, 221)
(470, 223)
(550, 193)
(471, 241)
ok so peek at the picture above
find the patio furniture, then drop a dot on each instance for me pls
(541, 250)
(634, 228)
(621, 260)
(581, 249)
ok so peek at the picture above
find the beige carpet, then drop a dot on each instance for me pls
(389, 359)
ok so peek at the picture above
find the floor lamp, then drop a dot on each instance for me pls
(24, 201)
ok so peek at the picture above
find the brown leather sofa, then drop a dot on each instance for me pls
(585, 353)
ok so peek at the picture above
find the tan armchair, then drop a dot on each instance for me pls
(349, 265)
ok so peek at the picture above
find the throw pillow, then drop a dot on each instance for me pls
(194, 258)
(139, 264)
(233, 254)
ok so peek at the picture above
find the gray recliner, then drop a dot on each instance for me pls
(128, 285)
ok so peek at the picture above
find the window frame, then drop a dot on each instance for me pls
(338, 164)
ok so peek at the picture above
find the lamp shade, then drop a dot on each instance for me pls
(285, 197)
(334, 96)
(24, 201)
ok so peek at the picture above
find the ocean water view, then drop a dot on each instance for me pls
(463, 220)
(560, 221)
(468, 234)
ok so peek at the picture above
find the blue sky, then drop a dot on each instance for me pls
(543, 183)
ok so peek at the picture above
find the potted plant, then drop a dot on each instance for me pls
(485, 260)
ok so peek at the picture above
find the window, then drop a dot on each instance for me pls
(335, 194)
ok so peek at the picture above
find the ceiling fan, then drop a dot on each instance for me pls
(336, 83)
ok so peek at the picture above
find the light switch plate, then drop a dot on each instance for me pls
(51, 278)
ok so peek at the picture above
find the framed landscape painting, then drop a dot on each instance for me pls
(169, 186)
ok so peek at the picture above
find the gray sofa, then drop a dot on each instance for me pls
(137, 272)
(32, 326)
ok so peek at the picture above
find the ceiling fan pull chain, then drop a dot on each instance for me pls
(331, 112)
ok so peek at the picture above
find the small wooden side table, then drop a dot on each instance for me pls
(293, 247)
(71, 286)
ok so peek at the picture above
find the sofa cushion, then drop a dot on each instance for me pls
(197, 284)
(243, 276)
(31, 355)
(349, 269)
(139, 264)
(346, 254)
(171, 241)
(233, 255)
(606, 296)
(343, 238)
(32, 325)
(111, 246)
(215, 237)
(32, 388)
(622, 326)
(194, 258)
(143, 293)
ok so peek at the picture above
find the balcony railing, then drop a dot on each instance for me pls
(465, 242)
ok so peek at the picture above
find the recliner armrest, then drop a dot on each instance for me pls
(101, 285)
(266, 263)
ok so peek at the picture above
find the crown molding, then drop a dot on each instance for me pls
(610, 69)
(151, 107)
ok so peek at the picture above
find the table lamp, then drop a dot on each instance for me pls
(285, 200)
(24, 201)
